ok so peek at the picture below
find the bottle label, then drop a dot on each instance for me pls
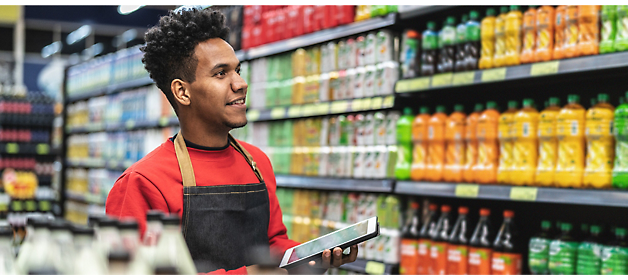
(409, 257)
(506, 264)
(473, 32)
(614, 260)
(430, 42)
(538, 257)
(562, 257)
(439, 258)
(479, 261)
(457, 260)
(425, 261)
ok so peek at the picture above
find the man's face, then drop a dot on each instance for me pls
(218, 93)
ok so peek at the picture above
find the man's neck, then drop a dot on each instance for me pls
(204, 136)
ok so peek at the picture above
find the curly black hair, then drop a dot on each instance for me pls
(169, 49)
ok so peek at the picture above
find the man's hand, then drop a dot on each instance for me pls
(338, 258)
(263, 270)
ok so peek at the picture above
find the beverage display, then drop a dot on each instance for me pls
(480, 245)
(500, 38)
(571, 144)
(621, 39)
(438, 247)
(529, 35)
(425, 242)
(512, 28)
(408, 57)
(538, 256)
(471, 143)
(458, 249)
(461, 41)
(615, 255)
(436, 145)
(598, 172)
(590, 252)
(404, 140)
(487, 31)
(473, 43)
(620, 168)
(485, 170)
(506, 143)
(570, 45)
(506, 256)
(563, 252)
(548, 144)
(588, 29)
(560, 32)
(429, 50)
(544, 33)
(455, 145)
(409, 242)
(608, 33)
(420, 143)
(447, 42)
(525, 148)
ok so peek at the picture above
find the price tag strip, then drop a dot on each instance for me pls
(441, 80)
(491, 75)
(467, 190)
(524, 193)
(544, 68)
(375, 268)
(252, 115)
(463, 78)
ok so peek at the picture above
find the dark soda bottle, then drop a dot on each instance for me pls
(409, 242)
(440, 236)
(448, 46)
(461, 40)
(538, 256)
(425, 241)
(457, 250)
(473, 43)
(480, 245)
(429, 52)
(507, 258)
(562, 254)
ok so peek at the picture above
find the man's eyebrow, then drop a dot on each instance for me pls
(224, 65)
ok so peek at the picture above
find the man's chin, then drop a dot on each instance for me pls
(235, 125)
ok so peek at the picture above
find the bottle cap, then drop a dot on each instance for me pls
(595, 229)
(414, 205)
(509, 214)
(424, 110)
(554, 101)
(573, 98)
(166, 270)
(451, 20)
(490, 12)
(464, 19)
(128, 224)
(593, 101)
(478, 107)
(41, 223)
(79, 230)
(546, 224)
(491, 105)
(463, 210)
(59, 224)
(119, 255)
(602, 98)
(566, 226)
(154, 215)
(503, 9)
(407, 111)
(474, 15)
(485, 212)
(620, 231)
(94, 219)
(445, 208)
(433, 207)
(459, 108)
(440, 109)
(514, 7)
(512, 104)
(107, 222)
(172, 219)
(533, 6)
(412, 34)
(431, 25)
(584, 227)
(528, 102)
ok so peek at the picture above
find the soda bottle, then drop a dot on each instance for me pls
(506, 141)
(513, 36)
(569, 124)
(500, 38)
(404, 145)
(461, 40)
(409, 242)
(506, 257)
(621, 39)
(485, 170)
(598, 172)
(609, 28)
(425, 241)
(529, 35)
(457, 250)
(488, 40)
(438, 248)
(548, 144)
(538, 255)
(408, 56)
(480, 245)
(429, 50)
(570, 47)
(620, 170)
(615, 255)
(419, 141)
(562, 252)
(436, 145)
(473, 45)
(589, 253)
(447, 50)
(471, 143)
(559, 32)
(454, 137)
(525, 146)
(589, 30)
(544, 33)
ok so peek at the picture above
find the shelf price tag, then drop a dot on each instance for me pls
(12, 148)
(467, 190)
(375, 268)
(163, 121)
(252, 115)
(308, 110)
(491, 75)
(366, 103)
(43, 149)
(389, 101)
(130, 124)
(376, 103)
(30, 205)
(544, 68)
(523, 193)
(441, 80)
(463, 78)
(44, 205)
(356, 105)
(278, 113)
(322, 108)
(418, 84)
(402, 86)
(339, 106)
(294, 111)
(16, 205)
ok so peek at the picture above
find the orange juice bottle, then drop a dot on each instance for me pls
(559, 32)
(570, 46)
(436, 145)
(529, 35)
(570, 133)
(548, 144)
(506, 142)
(588, 39)
(454, 141)
(485, 170)
(513, 36)
(544, 34)
(471, 143)
(526, 144)
(487, 31)
(600, 144)
(500, 38)
(419, 143)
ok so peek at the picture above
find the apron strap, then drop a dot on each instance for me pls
(185, 164)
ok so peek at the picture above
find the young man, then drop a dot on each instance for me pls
(223, 189)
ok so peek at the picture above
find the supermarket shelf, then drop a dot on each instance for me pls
(322, 36)
(100, 163)
(420, 10)
(526, 71)
(111, 89)
(84, 198)
(25, 148)
(531, 194)
(335, 184)
(369, 267)
(241, 55)
(322, 108)
(128, 125)
(26, 120)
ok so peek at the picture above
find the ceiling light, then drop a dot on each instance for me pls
(127, 9)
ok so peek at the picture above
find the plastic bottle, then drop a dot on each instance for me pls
(615, 255)
(570, 132)
(409, 242)
(588, 29)
(589, 253)
(461, 40)
(448, 47)
(429, 51)
(420, 142)
(108, 235)
(436, 145)
(525, 148)
(544, 33)
(87, 259)
(454, 145)
(438, 248)
(620, 128)
(548, 144)
(529, 35)
(485, 170)
(425, 241)
(570, 47)
(538, 256)
(409, 52)
(563, 252)
(513, 36)
(506, 257)
(621, 39)
(458, 248)
(487, 30)
(471, 143)
(560, 32)
(404, 145)
(473, 45)
(480, 245)
(129, 236)
(506, 143)
(172, 249)
(61, 235)
(598, 172)
(7, 259)
(42, 255)
(500, 38)
(609, 28)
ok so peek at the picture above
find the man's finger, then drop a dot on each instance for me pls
(326, 259)
(353, 255)
(337, 257)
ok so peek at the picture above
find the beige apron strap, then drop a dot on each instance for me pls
(247, 156)
(185, 164)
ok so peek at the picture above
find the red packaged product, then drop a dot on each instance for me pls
(319, 17)
(256, 36)
(308, 19)
(345, 14)
(245, 42)
(329, 17)
(280, 25)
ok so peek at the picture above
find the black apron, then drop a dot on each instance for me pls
(224, 226)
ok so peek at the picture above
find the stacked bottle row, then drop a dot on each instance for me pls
(440, 245)
(24, 135)
(16, 109)
(96, 182)
(568, 147)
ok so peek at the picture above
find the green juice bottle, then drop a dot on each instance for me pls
(615, 255)
(538, 257)
(609, 28)
(620, 170)
(404, 145)
(621, 39)
(562, 252)
(590, 252)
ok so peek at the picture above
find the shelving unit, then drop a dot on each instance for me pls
(12, 148)
(333, 184)
(124, 126)
(371, 267)
(110, 89)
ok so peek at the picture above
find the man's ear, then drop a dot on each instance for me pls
(180, 91)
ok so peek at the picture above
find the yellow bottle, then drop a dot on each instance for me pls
(525, 146)
(548, 144)
(506, 136)
(487, 31)
(570, 132)
(514, 20)
(600, 144)
(500, 38)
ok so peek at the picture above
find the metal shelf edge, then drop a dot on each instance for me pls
(339, 184)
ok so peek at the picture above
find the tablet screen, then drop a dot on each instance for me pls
(329, 241)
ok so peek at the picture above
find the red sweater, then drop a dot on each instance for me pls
(155, 182)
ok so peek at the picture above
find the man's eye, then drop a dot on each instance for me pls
(220, 73)
(238, 71)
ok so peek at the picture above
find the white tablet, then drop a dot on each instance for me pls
(342, 238)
